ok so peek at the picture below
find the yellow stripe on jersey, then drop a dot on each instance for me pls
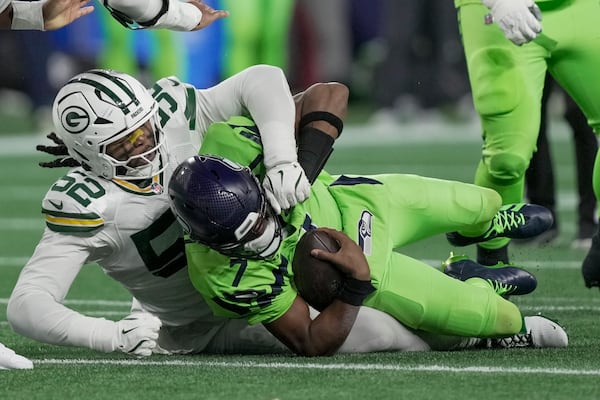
(73, 224)
(132, 187)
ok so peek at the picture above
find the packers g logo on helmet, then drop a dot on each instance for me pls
(75, 119)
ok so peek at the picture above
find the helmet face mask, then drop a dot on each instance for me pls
(222, 205)
(146, 163)
(101, 107)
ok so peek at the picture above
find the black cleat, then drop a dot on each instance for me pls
(505, 279)
(491, 257)
(514, 221)
(590, 268)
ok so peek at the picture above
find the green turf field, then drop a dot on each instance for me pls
(434, 150)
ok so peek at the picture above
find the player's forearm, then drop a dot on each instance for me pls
(267, 96)
(35, 314)
(330, 329)
(262, 91)
(179, 16)
(322, 336)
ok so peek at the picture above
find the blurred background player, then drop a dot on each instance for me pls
(257, 31)
(421, 73)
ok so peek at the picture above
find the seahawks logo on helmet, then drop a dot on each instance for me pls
(75, 119)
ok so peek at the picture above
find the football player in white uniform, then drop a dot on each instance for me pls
(134, 14)
(114, 210)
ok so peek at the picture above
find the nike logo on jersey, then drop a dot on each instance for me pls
(57, 205)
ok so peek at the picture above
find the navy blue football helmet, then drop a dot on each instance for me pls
(222, 205)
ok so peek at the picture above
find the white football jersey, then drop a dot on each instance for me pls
(128, 229)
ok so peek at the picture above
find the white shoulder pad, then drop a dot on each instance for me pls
(76, 203)
(177, 114)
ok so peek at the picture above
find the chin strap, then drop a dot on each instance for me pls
(314, 145)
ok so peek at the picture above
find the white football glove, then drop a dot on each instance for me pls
(137, 334)
(518, 19)
(286, 185)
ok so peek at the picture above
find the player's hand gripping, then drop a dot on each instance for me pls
(286, 185)
(518, 19)
(349, 259)
(137, 334)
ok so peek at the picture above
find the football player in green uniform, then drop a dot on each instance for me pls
(507, 79)
(240, 251)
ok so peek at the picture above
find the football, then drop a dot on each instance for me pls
(318, 282)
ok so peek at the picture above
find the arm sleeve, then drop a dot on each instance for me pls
(27, 15)
(263, 92)
(4, 4)
(35, 306)
(179, 16)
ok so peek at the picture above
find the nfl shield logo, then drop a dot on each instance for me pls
(156, 188)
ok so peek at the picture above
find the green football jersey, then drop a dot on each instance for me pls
(260, 291)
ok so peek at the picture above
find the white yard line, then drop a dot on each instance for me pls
(291, 365)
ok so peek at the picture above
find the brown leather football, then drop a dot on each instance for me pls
(318, 282)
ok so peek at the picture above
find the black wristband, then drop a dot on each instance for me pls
(354, 291)
(326, 116)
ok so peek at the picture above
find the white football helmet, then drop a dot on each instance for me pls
(99, 107)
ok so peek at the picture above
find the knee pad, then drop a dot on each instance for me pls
(506, 168)
(495, 81)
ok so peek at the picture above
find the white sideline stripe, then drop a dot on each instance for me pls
(369, 367)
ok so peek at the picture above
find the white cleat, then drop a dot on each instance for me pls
(541, 332)
(11, 360)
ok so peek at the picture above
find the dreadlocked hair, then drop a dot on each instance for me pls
(60, 150)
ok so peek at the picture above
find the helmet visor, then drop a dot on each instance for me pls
(138, 155)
